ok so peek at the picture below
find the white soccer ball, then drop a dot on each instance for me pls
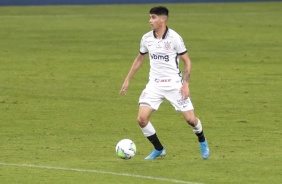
(126, 149)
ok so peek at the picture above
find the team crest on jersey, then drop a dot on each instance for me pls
(167, 45)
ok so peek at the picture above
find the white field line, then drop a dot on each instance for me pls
(99, 172)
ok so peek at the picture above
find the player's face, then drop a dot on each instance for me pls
(156, 21)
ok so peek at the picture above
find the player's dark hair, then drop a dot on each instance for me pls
(159, 10)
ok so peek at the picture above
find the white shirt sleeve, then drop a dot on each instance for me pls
(179, 45)
(143, 47)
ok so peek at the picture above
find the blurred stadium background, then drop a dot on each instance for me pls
(85, 2)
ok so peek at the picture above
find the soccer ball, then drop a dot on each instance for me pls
(125, 149)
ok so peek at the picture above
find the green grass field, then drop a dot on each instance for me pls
(61, 115)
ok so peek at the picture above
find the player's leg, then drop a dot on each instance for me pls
(150, 132)
(197, 128)
(195, 124)
(147, 127)
(187, 109)
(150, 100)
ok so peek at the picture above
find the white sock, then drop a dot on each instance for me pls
(148, 130)
(198, 128)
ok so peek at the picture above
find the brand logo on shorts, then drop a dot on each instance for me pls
(183, 102)
(143, 95)
(160, 57)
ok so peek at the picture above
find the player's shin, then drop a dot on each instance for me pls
(198, 130)
(150, 132)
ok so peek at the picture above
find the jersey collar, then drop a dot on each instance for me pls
(164, 35)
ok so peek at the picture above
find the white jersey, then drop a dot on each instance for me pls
(163, 54)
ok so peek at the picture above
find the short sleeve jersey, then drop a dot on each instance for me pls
(163, 54)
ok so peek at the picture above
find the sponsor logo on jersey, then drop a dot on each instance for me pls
(165, 80)
(162, 80)
(160, 57)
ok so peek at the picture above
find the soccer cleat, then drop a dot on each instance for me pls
(204, 148)
(155, 153)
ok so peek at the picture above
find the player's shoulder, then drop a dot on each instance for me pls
(149, 34)
(173, 34)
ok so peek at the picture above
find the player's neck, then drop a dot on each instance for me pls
(159, 33)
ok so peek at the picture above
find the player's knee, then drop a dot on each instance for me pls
(142, 121)
(192, 121)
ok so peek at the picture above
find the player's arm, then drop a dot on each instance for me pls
(135, 66)
(184, 90)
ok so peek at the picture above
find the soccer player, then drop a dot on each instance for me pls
(165, 47)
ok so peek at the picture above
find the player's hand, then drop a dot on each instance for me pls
(124, 87)
(184, 90)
